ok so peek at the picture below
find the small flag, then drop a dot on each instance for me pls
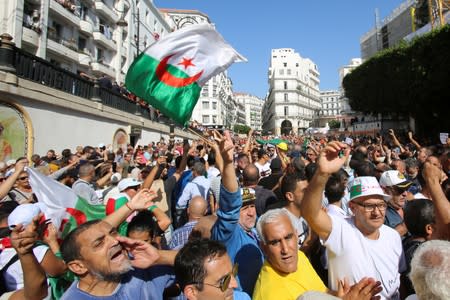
(170, 73)
(60, 203)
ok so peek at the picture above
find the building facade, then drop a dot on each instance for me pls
(293, 99)
(251, 110)
(83, 36)
(330, 107)
(216, 106)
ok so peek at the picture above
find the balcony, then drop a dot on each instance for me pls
(104, 41)
(84, 59)
(63, 48)
(43, 72)
(64, 14)
(30, 37)
(86, 27)
(100, 68)
(106, 12)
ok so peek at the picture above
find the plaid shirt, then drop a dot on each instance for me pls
(181, 235)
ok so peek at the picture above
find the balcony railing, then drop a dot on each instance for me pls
(36, 69)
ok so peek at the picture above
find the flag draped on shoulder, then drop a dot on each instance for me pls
(169, 75)
(60, 203)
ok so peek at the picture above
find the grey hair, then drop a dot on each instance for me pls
(430, 270)
(273, 216)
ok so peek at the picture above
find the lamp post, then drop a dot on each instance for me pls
(123, 23)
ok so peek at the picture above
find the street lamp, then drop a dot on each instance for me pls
(123, 23)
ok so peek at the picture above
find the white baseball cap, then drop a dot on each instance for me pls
(366, 186)
(23, 214)
(116, 177)
(394, 177)
(126, 183)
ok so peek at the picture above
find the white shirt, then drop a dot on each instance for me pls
(13, 276)
(336, 211)
(264, 170)
(352, 255)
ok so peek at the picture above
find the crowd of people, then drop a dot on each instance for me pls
(228, 217)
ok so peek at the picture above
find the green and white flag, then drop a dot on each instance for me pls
(170, 73)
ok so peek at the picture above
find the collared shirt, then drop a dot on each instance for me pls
(336, 211)
(181, 235)
(199, 186)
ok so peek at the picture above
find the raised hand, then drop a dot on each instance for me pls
(332, 157)
(142, 200)
(144, 254)
(226, 145)
(23, 238)
(365, 289)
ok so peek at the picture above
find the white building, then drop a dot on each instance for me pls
(330, 110)
(252, 110)
(216, 106)
(82, 35)
(294, 97)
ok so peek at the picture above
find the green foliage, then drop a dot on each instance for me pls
(411, 78)
(334, 124)
(240, 128)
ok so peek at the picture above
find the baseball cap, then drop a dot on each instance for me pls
(23, 214)
(394, 177)
(283, 146)
(126, 183)
(248, 196)
(116, 177)
(366, 186)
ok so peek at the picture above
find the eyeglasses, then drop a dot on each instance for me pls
(371, 207)
(398, 191)
(23, 178)
(224, 282)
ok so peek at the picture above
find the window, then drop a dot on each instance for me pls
(285, 85)
(296, 64)
(81, 43)
(205, 119)
(286, 110)
(205, 104)
(289, 71)
(214, 105)
(281, 71)
(285, 97)
(214, 119)
(285, 65)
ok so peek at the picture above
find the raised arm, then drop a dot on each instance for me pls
(34, 277)
(432, 175)
(396, 141)
(8, 184)
(413, 141)
(248, 143)
(151, 176)
(328, 162)
(142, 200)
(226, 147)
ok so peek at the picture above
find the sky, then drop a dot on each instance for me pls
(327, 32)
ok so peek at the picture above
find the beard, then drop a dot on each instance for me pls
(113, 276)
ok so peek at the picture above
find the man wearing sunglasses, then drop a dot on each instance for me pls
(360, 246)
(395, 185)
(204, 270)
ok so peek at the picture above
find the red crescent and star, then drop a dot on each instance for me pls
(170, 80)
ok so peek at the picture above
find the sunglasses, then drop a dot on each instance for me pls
(23, 178)
(224, 282)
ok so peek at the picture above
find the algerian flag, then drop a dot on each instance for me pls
(60, 203)
(170, 73)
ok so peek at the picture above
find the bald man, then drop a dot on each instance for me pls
(197, 208)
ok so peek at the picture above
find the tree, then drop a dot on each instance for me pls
(334, 124)
(240, 128)
(411, 79)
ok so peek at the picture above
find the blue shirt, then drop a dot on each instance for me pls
(242, 247)
(148, 284)
(181, 235)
